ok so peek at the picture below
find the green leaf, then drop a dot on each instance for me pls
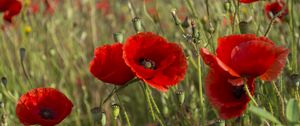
(292, 111)
(263, 114)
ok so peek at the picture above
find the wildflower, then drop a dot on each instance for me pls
(154, 60)
(109, 66)
(10, 8)
(43, 106)
(239, 60)
(272, 9)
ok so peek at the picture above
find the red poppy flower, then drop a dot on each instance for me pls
(43, 106)
(248, 1)
(271, 9)
(240, 59)
(10, 8)
(103, 6)
(109, 66)
(50, 6)
(154, 60)
(34, 8)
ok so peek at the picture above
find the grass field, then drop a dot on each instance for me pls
(55, 50)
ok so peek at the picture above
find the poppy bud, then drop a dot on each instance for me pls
(295, 79)
(164, 103)
(22, 54)
(118, 37)
(137, 24)
(245, 27)
(227, 6)
(103, 119)
(175, 17)
(186, 23)
(116, 110)
(180, 96)
(4, 81)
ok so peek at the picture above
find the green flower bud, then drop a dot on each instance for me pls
(118, 37)
(180, 96)
(116, 110)
(186, 22)
(227, 6)
(22, 54)
(137, 24)
(4, 81)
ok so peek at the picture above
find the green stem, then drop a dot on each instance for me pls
(124, 110)
(202, 106)
(249, 94)
(294, 42)
(149, 101)
(281, 102)
(115, 90)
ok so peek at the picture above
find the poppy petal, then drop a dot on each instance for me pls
(167, 61)
(252, 58)
(215, 63)
(32, 106)
(279, 63)
(226, 45)
(223, 95)
(109, 66)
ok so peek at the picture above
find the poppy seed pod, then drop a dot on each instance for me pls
(180, 96)
(22, 52)
(137, 24)
(115, 110)
(4, 81)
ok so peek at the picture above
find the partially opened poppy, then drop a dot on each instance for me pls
(239, 60)
(154, 60)
(109, 66)
(271, 9)
(10, 8)
(43, 106)
(248, 1)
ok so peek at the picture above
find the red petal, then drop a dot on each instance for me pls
(220, 94)
(279, 63)
(228, 43)
(109, 66)
(252, 58)
(169, 60)
(215, 63)
(30, 104)
(248, 1)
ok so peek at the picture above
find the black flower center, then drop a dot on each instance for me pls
(238, 91)
(46, 114)
(147, 63)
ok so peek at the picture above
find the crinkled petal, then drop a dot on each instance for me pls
(277, 66)
(252, 58)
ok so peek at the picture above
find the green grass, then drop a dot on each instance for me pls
(60, 47)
